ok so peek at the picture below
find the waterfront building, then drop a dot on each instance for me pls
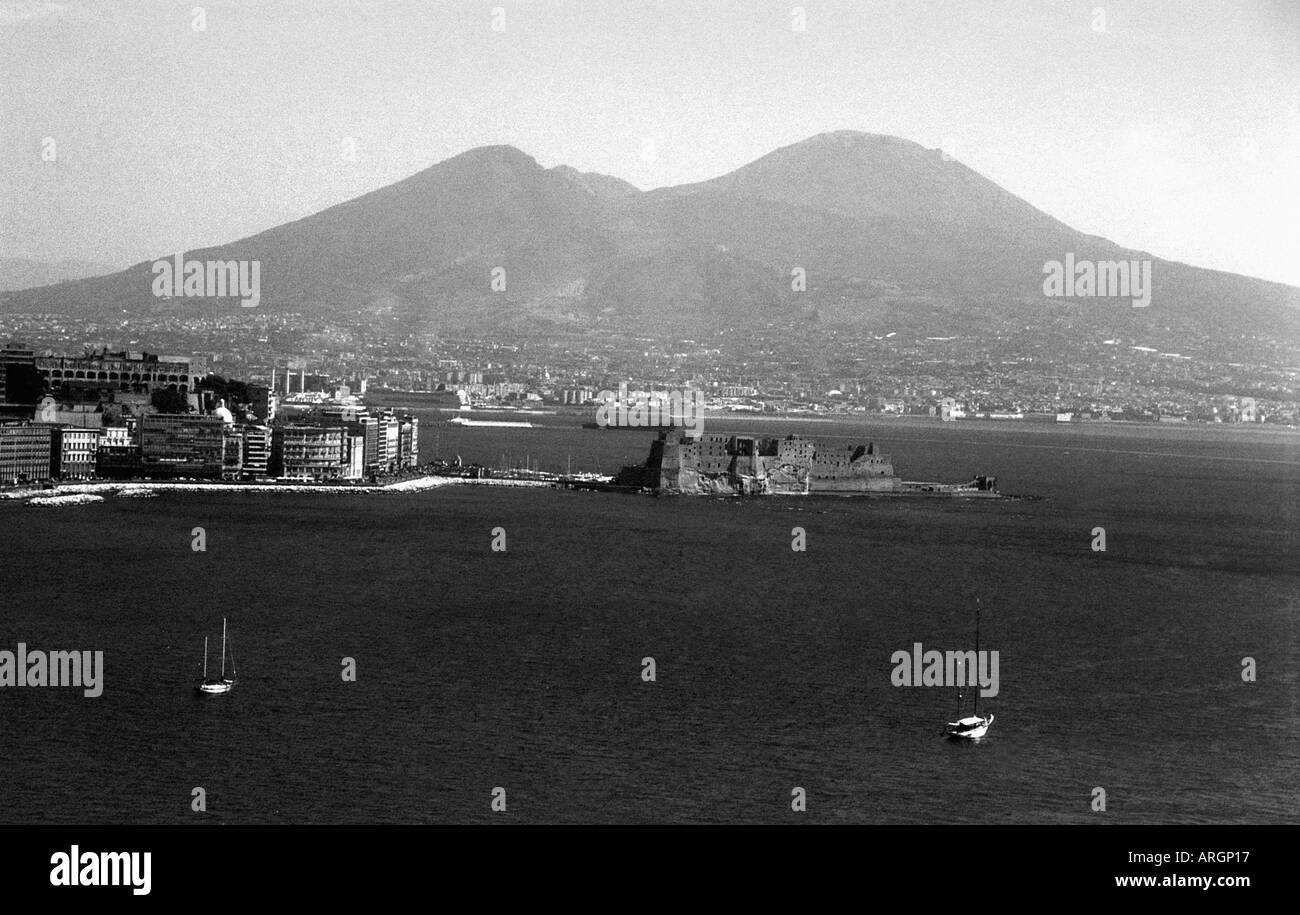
(116, 437)
(389, 441)
(354, 420)
(73, 452)
(356, 457)
(181, 445)
(118, 454)
(308, 453)
(408, 442)
(257, 451)
(397, 442)
(25, 452)
(232, 452)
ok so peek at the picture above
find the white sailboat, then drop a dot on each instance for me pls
(972, 726)
(223, 684)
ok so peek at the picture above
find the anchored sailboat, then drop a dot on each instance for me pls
(212, 685)
(973, 726)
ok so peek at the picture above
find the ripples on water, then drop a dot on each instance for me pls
(522, 669)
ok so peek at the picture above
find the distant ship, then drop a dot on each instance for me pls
(507, 424)
(721, 464)
(972, 726)
(445, 400)
(223, 684)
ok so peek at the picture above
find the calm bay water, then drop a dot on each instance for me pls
(522, 669)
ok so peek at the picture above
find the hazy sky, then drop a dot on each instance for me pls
(1172, 128)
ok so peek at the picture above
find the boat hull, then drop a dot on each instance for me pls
(969, 728)
(214, 687)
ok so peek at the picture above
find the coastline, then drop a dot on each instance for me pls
(129, 489)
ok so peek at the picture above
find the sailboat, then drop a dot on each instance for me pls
(213, 685)
(973, 726)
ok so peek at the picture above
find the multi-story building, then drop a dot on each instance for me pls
(356, 457)
(118, 455)
(116, 437)
(372, 433)
(263, 402)
(387, 441)
(20, 385)
(25, 452)
(308, 453)
(390, 441)
(181, 445)
(361, 422)
(257, 451)
(232, 452)
(334, 414)
(139, 373)
(73, 452)
(408, 442)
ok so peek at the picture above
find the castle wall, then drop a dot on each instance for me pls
(719, 464)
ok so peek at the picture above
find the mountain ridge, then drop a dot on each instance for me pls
(874, 222)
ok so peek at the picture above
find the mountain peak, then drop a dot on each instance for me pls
(847, 137)
(496, 154)
(857, 141)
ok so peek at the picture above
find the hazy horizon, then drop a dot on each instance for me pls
(1170, 130)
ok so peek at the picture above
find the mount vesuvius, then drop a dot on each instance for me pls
(884, 230)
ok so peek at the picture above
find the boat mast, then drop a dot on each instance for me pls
(223, 647)
(205, 657)
(961, 685)
(976, 712)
